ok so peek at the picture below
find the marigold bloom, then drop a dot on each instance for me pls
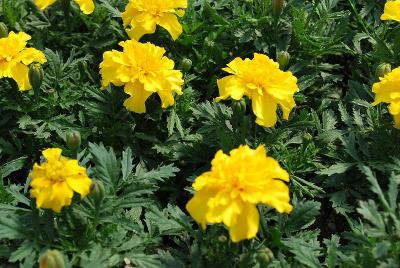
(144, 15)
(392, 11)
(388, 91)
(86, 6)
(264, 83)
(54, 181)
(236, 183)
(143, 70)
(15, 58)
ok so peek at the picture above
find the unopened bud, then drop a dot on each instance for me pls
(277, 7)
(97, 191)
(3, 30)
(52, 259)
(185, 65)
(74, 140)
(283, 58)
(264, 256)
(222, 238)
(239, 107)
(383, 69)
(36, 75)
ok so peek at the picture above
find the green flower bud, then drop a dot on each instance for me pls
(185, 65)
(283, 58)
(264, 256)
(97, 191)
(3, 30)
(222, 239)
(52, 259)
(383, 69)
(74, 140)
(277, 7)
(239, 107)
(36, 75)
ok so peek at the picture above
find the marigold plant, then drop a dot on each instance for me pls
(236, 183)
(142, 17)
(86, 6)
(15, 58)
(264, 83)
(55, 181)
(143, 70)
(392, 11)
(388, 91)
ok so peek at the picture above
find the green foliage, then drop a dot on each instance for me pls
(341, 152)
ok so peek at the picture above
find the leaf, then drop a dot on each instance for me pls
(302, 216)
(305, 252)
(338, 168)
(25, 249)
(126, 163)
(106, 167)
(12, 166)
(158, 174)
(332, 246)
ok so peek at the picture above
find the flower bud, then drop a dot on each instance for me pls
(185, 65)
(3, 30)
(383, 69)
(264, 256)
(36, 75)
(222, 239)
(239, 107)
(74, 140)
(277, 7)
(97, 191)
(283, 58)
(52, 259)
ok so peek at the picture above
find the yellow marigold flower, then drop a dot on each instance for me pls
(264, 83)
(388, 91)
(392, 11)
(144, 15)
(86, 6)
(144, 70)
(236, 183)
(15, 58)
(54, 181)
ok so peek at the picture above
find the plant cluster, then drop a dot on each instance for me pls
(199, 133)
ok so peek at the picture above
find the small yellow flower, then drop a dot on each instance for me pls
(15, 58)
(144, 15)
(236, 183)
(54, 181)
(392, 11)
(143, 70)
(388, 91)
(261, 80)
(86, 6)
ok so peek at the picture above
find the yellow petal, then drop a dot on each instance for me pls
(246, 225)
(197, 206)
(19, 72)
(29, 55)
(80, 184)
(264, 107)
(392, 11)
(43, 4)
(136, 103)
(52, 154)
(230, 86)
(86, 6)
(171, 24)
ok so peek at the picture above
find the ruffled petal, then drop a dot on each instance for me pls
(171, 24)
(86, 6)
(138, 96)
(231, 86)
(246, 225)
(264, 107)
(19, 72)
